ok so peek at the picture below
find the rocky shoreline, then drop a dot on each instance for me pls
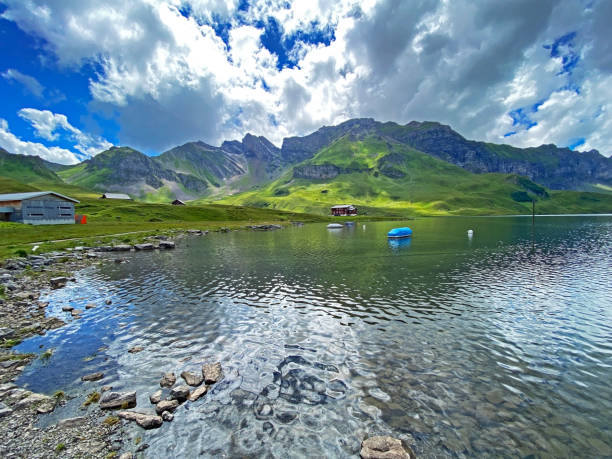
(100, 432)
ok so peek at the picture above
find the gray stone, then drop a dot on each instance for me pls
(4, 410)
(90, 306)
(135, 349)
(76, 312)
(199, 392)
(384, 448)
(191, 378)
(127, 455)
(146, 246)
(93, 377)
(167, 416)
(58, 282)
(67, 308)
(72, 422)
(155, 398)
(32, 399)
(106, 388)
(6, 333)
(144, 420)
(180, 393)
(211, 372)
(115, 400)
(45, 408)
(107, 302)
(166, 405)
(166, 245)
(121, 248)
(167, 380)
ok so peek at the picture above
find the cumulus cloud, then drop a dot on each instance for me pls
(13, 144)
(48, 125)
(28, 82)
(519, 71)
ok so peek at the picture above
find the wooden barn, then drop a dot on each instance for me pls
(115, 196)
(178, 202)
(37, 208)
(345, 209)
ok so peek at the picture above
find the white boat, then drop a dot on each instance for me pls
(335, 225)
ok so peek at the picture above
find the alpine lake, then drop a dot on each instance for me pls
(499, 344)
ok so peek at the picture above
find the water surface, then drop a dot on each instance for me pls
(499, 344)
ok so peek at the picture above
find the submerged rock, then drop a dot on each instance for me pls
(166, 405)
(146, 246)
(191, 378)
(167, 380)
(211, 372)
(384, 448)
(115, 400)
(135, 349)
(67, 308)
(93, 376)
(180, 393)
(166, 245)
(198, 393)
(167, 416)
(90, 306)
(121, 248)
(144, 420)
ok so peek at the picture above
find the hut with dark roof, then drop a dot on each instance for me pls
(178, 202)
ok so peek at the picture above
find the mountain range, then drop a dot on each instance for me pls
(419, 166)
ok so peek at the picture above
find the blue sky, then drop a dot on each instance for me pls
(80, 75)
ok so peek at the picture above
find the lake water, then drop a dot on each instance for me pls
(498, 345)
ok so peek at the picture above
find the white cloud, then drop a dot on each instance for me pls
(29, 82)
(13, 144)
(170, 78)
(47, 125)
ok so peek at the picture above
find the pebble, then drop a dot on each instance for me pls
(168, 380)
(167, 416)
(144, 420)
(384, 448)
(90, 306)
(191, 378)
(135, 349)
(198, 393)
(67, 308)
(108, 302)
(166, 405)
(93, 377)
(155, 397)
(180, 393)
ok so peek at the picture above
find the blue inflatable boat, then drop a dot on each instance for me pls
(397, 233)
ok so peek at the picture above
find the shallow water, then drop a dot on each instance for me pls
(496, 345)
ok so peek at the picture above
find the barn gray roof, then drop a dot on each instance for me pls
(33, 194)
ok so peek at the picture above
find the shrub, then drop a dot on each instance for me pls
(521, 196)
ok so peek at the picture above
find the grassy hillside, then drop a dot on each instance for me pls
(384, 178)
(26, 169)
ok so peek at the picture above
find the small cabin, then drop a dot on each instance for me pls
(178, 202)
(115, 196)
(342, 210)
(37, 208)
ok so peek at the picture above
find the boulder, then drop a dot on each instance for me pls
(211, 372)
(72, 422)
(115, 400)
(93, 377)
(384, 447)
(146, 246)
(180, 393)
(191, 378)
(144, 420)
(199, 392)
(155, 398)
(166, 245)
(166, 405)
(167, 380)
(58, 282)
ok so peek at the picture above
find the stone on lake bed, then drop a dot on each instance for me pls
(144, 420)
(45, 408)
(121, 248)
(167, 380)
(135, 349)
(93, 376)
(108, 302)
(166, 245)
(166, 405)
(31, 399)
(191, 378)
(211, 372)
(384, 448)
(167, 416)
(90, 306)
(155, 397)
(67, 308)
(72, 422)
(115, 400)
(198, 393)
(76, 312)
(180, 393)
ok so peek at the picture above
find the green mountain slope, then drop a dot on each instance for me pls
(384, 177)
(26, 169)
